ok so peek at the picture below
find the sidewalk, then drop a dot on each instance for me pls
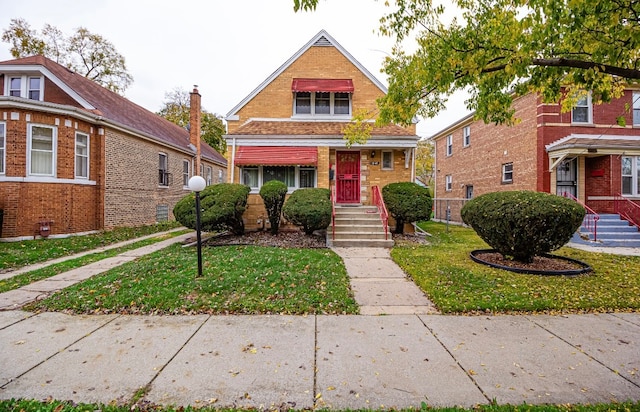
(399, 360)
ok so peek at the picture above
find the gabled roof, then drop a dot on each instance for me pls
(321, 39)
(109, 107)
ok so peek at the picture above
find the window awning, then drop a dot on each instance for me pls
(276, 156)
(322, 85)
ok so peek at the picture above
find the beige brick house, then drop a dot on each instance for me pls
(76, 157)
(583, 152)
(290, 128)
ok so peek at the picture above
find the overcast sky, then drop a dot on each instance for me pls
(227, 48)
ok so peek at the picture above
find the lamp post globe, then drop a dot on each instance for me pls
(197, 185)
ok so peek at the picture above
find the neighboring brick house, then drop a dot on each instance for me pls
(290, 128)
(76, 157)
(583, 152)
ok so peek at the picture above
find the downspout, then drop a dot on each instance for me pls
(413, 169)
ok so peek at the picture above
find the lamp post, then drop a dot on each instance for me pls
(197, 185)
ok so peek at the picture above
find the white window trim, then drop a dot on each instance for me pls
(3, 147)
(504, 173)
(291, 189)
(313, 114)
(589, 112)
(449, 145)
(209, 175)
(185, 184)
(54, 149)
(466, 136)
(88, 157)
(635, 171)
(635, 105)
(166, 171)
(382, 167)
(448, 183)
(24, 85)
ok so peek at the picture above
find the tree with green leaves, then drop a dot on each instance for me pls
(86, 53)
(497, 50)
(425, 161)
(176, 109)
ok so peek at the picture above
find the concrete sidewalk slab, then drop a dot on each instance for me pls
(386, 292)
(8, 318)
(607, 338)
(17, 298)
(386, 362)
(372, 268)
(243, 361)
(38, 338)
(362, 252)
(514, 360)
(110, 364)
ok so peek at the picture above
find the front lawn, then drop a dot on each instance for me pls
(456, 284)
(236, 280)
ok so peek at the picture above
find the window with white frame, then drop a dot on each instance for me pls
(448, 183)
(29, 87)
(209, 175)
(507, 173)
(636, 108)
(42, 150)
(387, 160)
(631, 175)
(220, 176)
(582, 112)
(466, 136)
(82, 156)
(163, 170)
(186, 169)
(3, 150)
(293, 176)
(322, 103)
(449, 145)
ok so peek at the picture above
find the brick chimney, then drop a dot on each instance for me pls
(194, 121)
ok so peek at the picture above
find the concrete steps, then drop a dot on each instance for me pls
(358, 226)
(612, 232)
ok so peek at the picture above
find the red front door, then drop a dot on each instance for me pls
(347, 177)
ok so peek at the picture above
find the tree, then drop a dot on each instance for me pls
(86, 53)
(500, 49)
(424, 161)
(176, 109)
(273, 194)
(407, 202)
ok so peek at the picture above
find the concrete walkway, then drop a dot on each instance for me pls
(396, 361)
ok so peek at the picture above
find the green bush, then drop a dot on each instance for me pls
(523, 224)
(273, 194)
(309, 208)
(407, 202)
(222, 206)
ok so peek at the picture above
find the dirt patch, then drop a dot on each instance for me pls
(293, 239)
(540, 263)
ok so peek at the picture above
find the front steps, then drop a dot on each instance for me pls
(358, 226)
(612, 232)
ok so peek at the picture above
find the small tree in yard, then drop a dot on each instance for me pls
(309, 208)
(273, 194)
(222, 208)
(523, 224)
(407, 202)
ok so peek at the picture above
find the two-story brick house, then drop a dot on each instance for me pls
(76, 157)
(583, 152)
(291, 128)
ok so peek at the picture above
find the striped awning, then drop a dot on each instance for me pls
(322, 85)
(276, 156)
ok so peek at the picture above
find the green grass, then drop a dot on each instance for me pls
(236, 280)
(59, 406)
(55, 269)
(27, 252)
(456, 284)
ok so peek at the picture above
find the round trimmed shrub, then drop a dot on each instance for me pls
(523, 224)
(222, 206)
(309, 208)
(407, 202)
(273, 194)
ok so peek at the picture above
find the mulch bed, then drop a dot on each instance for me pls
(540, 263)
(293, 239)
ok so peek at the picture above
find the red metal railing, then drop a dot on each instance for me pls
(333, 213)
(382, 209)
(627, 209)
(590, 219)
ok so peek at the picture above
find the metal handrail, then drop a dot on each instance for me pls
(627, 209)
(382, 209)
(590, 219)
(333, 213)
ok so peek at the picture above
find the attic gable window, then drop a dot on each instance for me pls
(28, 87)
(322, 97)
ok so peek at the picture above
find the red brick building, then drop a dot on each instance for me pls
(583, 152)
(76, 157)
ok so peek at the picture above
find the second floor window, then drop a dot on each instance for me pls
(581, 113)
(636, 108)
(322, 104)
(466, 136)
(29, 87)
(449, 145)
(163, 170)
